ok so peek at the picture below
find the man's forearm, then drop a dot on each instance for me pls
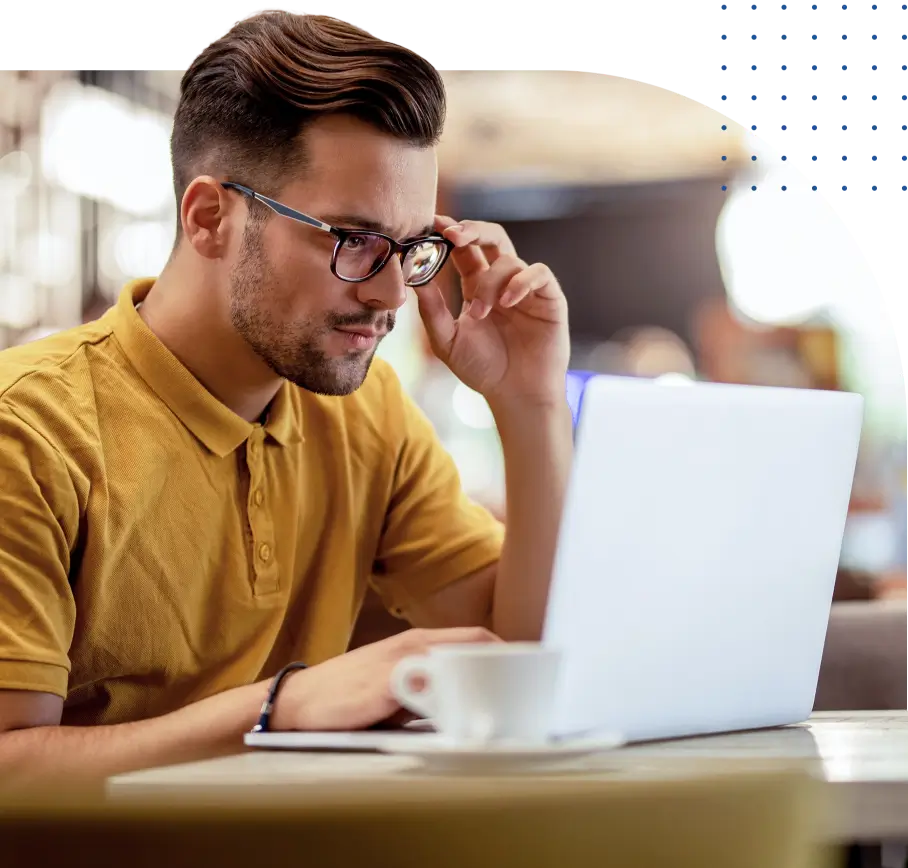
(76, 754)
(538, 446)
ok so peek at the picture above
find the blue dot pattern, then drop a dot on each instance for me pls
(833, 85)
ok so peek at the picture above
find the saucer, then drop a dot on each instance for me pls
(440, 754)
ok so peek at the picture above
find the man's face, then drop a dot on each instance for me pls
(284, 300)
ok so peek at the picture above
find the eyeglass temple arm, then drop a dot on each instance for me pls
(277, 207)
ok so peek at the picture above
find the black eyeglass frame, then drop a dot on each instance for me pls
(394, 246)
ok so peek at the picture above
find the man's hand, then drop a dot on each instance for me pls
(353, 691)
(510, 341)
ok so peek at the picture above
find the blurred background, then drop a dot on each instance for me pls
(679, 252)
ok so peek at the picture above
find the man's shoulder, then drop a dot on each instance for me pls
(54, 377)
(54, 355)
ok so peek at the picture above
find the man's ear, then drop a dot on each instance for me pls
(209, 217)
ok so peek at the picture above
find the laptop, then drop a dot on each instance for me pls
(696, 560)
(697, 555)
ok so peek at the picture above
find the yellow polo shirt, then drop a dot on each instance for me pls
(156, 548)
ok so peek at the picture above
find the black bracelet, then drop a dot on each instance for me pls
(264, 723)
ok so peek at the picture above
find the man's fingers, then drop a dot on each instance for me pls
(491, 238)
(492, 283)
(419, 639)
(440, 325)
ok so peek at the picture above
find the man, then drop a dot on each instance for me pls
(198, 486)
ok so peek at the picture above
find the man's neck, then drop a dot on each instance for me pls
(194, 324)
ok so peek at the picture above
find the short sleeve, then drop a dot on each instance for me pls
(38, 523)
(433, 534)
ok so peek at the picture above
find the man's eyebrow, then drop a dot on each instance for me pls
(355, 221)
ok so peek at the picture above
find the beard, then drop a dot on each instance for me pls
(292, 349)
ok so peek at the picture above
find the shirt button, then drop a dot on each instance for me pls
(258, 497)
(265, 551)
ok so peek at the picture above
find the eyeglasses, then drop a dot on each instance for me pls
(361, 253)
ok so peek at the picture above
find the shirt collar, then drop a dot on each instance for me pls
(213, 423)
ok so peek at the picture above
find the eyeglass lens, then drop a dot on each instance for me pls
(360, 256)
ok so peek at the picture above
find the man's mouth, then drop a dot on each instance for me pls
(364, 331)
(360, 337)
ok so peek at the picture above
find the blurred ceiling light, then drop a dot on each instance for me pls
(142, 249)
(785, 256)
(471, 408)
(15, 173)
(18, 301)
(99, 145)
(49, 258)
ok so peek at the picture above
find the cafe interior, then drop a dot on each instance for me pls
(682, 258)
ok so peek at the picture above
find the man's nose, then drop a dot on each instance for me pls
(387, 290)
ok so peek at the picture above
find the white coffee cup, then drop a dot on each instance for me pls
(482, 692)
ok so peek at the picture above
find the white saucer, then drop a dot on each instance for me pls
(443, 755)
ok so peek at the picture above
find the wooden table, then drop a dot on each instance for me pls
(863, 756)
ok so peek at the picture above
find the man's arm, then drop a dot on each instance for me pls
(511, 344)
(510, 597)
(34, 748)
(537, 442)
(347, 692)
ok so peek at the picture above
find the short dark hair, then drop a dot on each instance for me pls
(247, 97)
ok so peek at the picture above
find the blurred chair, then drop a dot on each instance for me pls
(865, 664)
(746, 821)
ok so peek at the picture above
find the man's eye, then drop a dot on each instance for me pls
(355, 242)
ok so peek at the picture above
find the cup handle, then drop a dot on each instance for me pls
(403, 673)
